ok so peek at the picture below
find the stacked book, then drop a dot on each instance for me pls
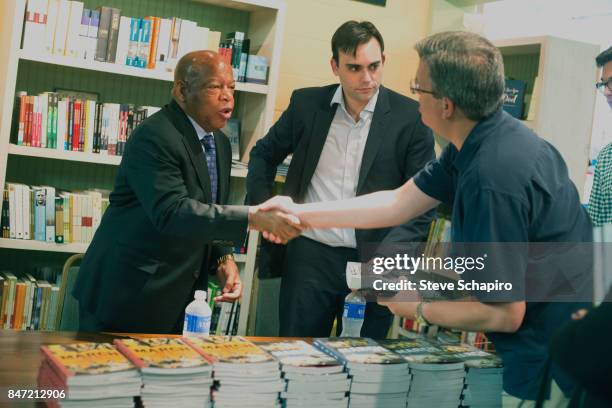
(88, 375)
(483, 379)
(437, 376)
(380, 378)
(245, 375)
(173, 374)
(312, 378)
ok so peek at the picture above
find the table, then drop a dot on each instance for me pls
(20, 355)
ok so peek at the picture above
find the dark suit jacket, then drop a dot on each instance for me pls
(398, 146)
(153, 245)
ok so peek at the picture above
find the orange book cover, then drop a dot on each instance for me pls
(17, 320)
(231, 350)
(160, 352)
(155, 22)
(85, 359)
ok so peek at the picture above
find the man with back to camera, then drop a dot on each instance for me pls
(157, 240)
(600, 202)
(348, 139)
(506, 186)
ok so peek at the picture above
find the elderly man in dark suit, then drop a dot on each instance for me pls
(348, 139)
(165, 228)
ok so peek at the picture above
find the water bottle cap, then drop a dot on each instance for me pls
(200, 295)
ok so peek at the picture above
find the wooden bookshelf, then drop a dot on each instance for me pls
(261, 20)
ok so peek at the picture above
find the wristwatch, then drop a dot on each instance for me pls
(224, 258)
(419, 317)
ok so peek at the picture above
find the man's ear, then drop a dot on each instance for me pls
(334, 66)
(383, 59)
(179, 91)
(448, 108)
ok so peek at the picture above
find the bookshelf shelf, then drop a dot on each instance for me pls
(95, 158)
(73, 248)
(64, 155)
(32, 245)
(123, 70)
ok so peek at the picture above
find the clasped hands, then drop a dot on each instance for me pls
(277, 219)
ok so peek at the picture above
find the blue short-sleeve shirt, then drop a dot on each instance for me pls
(508, 185)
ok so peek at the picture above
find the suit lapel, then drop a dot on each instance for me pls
(375, 136)
(222, 166)
(322, 122)
(192, 145)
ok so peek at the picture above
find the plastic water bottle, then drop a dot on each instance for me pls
(197, 316)
(354, 313)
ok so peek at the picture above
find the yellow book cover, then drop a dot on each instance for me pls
(231, 350)
(85, 359)
(161, 353)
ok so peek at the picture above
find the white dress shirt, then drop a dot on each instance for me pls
(337, 172)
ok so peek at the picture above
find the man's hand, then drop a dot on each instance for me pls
(229, 277)
(277, 226)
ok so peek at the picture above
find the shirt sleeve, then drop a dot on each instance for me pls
(437, 178)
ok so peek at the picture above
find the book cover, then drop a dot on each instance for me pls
(514, 95)
(162, 354)
(229, 350)
(298, 353)
(86, 359)
(358, 350)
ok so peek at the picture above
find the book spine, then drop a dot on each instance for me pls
(103, 32)
(113, 34)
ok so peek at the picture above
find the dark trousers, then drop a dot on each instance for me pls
(89, 323)
(313, 288)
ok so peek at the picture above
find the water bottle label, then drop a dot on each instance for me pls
(196, 324)
(354, 310)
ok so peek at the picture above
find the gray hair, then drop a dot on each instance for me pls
(467, 69)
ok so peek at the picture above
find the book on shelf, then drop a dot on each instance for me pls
(232, 131)
(27, 303)
(53, 121)
(514, 96)
(68, 28)
(45, 214)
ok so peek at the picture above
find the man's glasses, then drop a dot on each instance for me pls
(416, 89)
(601, 86)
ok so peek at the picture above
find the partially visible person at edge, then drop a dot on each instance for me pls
(600, 202)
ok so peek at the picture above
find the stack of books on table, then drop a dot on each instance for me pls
(380, 378)
(88, 375)
(173, 374)
(437, 376)
(312, 378)
(483, 379)
(245, 375)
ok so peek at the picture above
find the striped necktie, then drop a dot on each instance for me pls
(211, 160)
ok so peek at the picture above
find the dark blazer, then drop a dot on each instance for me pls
(398, 146)
(153, 245)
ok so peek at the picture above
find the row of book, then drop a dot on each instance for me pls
(68, 28)
(45, 214)
(224, 318)
(27, 303)
(234, 372)
(59, 122)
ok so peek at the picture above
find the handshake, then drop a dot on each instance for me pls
(277, 219)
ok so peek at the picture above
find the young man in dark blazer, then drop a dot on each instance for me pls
(348, 139)
(165, 229)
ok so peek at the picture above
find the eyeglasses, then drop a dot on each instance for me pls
(601, 86)
(416, 89)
